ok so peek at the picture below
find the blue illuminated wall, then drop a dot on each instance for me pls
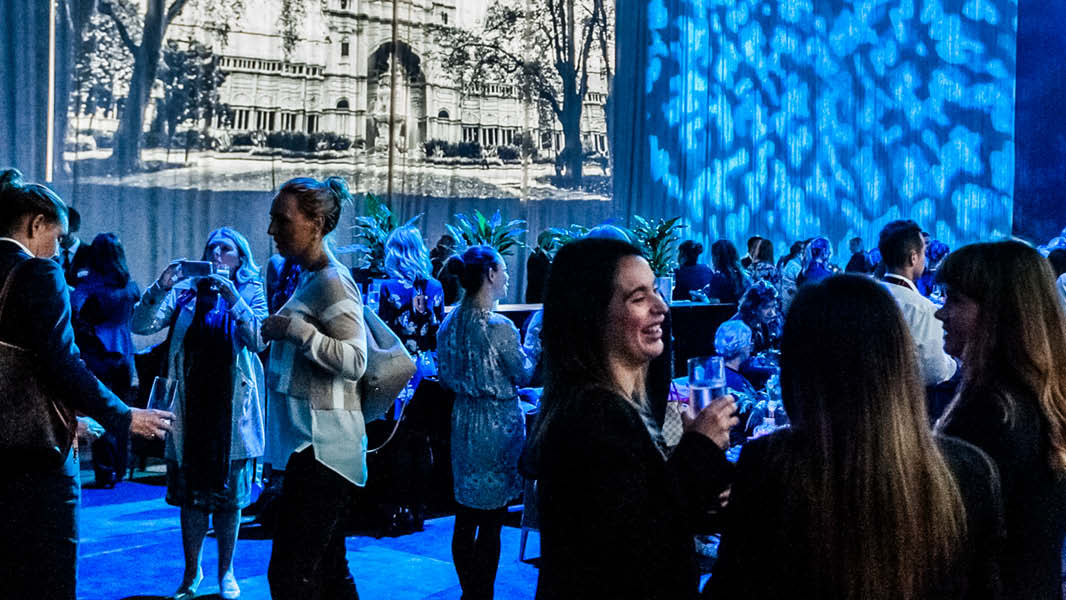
(803, 117)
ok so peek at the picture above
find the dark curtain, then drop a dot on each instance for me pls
(24, 93)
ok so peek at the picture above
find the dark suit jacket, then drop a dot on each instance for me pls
(37, 317)
(79, 264)
(617, 519)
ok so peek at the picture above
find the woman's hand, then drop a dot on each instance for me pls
(274, 327)
(714, 421)
(150, 423)
(171, 275)
(225, 288)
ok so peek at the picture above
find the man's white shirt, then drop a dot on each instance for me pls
(934, 364)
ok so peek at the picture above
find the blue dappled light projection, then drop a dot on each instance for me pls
(795, 118)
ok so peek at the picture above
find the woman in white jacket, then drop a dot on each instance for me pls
(214, 323)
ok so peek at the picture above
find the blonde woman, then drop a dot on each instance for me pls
(316, 427)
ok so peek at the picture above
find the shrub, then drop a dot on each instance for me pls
(248, 138)
(154, 139)
(327, 140)
(468, 150)
(288, 140)
(507, 152)
(441, 148)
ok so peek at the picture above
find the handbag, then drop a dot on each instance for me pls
(34, 426)
(388, 367)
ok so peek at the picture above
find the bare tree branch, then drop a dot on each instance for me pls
(106, 9)
(174, 11)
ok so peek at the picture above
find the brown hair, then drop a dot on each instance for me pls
(1021, 340)
(882, 511)
(19, 199)
(319, 198)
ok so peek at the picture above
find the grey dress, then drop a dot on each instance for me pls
(481, 359)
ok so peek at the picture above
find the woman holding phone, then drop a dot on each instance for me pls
(214, 333)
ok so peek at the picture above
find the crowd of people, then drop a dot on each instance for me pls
(916, 403)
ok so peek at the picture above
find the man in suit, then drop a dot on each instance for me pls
(73, 255)
(40, 492)
(753, 249)
(859, 262)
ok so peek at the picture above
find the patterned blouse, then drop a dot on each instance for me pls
(413, 314)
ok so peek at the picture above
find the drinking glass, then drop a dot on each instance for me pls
(706, 380)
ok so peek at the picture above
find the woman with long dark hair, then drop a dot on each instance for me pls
(102, 305)
(617, 517)
(317, 431)
(40, 494)
(213, 322)
(480, 358)
(856, 499)
(1004, 320)
(729, 280)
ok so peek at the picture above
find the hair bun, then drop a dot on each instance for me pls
(10, 178)
(340, 189)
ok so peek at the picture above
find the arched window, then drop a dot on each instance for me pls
(342, 103)
(344, 4)
(443, 114)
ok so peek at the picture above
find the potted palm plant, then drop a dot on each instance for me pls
(659, 239)
(371, 231)
(504, 237)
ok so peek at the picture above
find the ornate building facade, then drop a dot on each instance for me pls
(338, 78)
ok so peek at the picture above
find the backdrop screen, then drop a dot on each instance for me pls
(804, 117)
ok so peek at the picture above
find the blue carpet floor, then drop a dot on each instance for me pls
(131, 550)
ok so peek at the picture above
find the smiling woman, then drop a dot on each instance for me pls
(617, 517)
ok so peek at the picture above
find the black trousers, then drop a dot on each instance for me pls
(308, 559)
(39, 531)
(111, 450)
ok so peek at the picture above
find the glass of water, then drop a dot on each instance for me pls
(706, 380)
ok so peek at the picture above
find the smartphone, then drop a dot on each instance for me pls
(196, 268)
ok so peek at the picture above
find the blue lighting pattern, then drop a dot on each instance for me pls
(795, 118)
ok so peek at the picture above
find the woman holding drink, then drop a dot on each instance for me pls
(616, 515)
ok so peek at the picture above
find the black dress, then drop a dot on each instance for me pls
(616, 517)
(762, 555)
(1034, 496)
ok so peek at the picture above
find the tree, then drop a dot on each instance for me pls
(143, 35)
(103, 65)
(544, 48)
(191, 81)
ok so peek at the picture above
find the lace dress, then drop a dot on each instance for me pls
(480, 358)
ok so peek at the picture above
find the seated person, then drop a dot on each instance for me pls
(732, 342)
(691, 275)
(759, 309)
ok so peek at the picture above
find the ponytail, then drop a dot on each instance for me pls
(473, 266)
(19, 200)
